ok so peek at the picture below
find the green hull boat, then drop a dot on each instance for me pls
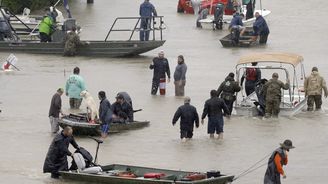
(81, 126)
(140, 175)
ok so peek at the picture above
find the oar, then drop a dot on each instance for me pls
(137, 110)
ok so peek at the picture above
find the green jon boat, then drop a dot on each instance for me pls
(81, 125)
(27, 39)
(112, 174)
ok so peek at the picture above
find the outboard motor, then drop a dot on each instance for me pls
(260, 105)
(234, 36)
(218, 16)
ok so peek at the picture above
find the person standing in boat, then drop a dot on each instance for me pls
(202, 14)
(213, 109)
(46, 27)
(180, 76)
(105, 113)
(272, 91)
(55, 110)
(122, 110)
(5, 30)
(275, 164)
(313, 86)
(146, 11)
(252, 75)
(227, 90)
(72, 41)
(74, 86)
(188, 117)
(56, 159)
(261, 29)
(160, 66)
(250, 4)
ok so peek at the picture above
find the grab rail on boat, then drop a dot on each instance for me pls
(138, 19)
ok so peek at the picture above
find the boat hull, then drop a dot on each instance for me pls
(172, 176)
(94, 48)
(208, 22)
(85, 128)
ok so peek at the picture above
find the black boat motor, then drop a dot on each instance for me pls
(218, 16)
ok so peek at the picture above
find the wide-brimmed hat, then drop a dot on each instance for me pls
(287, 144)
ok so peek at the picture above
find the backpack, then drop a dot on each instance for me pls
(251, 74)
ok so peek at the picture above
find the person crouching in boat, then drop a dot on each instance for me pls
(236, 27)
(105, 113)
(47, 27)
(56, 159)
(72, 41)
(188, 117)
(278, 158)
(122, 110)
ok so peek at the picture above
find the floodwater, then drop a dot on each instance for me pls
(25, 95)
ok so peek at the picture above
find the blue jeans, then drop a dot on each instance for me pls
(145, 29)
(215, 124)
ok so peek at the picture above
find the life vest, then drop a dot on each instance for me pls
(251, 74)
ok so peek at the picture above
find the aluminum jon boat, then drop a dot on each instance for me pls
(81, 126)
(289, 66)
(125, 174)
(27, 40)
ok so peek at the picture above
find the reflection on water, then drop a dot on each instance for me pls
(25, 97)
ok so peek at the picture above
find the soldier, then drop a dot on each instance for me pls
(272, 91)
(72, 41)
(227, 90)
(313, 86)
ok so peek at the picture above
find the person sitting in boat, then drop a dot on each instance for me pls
(122, 110)
(146, 12)
(252, 75)
(56, 159)
(261, 29)
(46, 27)
(237, 23)
(72, 41)
(202, 14)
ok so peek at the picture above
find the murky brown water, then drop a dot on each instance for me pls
(24, 126)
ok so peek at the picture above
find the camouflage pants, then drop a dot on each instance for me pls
(314, 99)
(272, 107)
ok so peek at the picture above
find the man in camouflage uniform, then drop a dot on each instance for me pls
(272, 92)
(72, 41)
(227, 90)
(313, 86)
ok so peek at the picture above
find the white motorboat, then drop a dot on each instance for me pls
(208, 22)
(289, 66)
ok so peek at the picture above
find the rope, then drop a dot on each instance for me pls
(251, 168)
